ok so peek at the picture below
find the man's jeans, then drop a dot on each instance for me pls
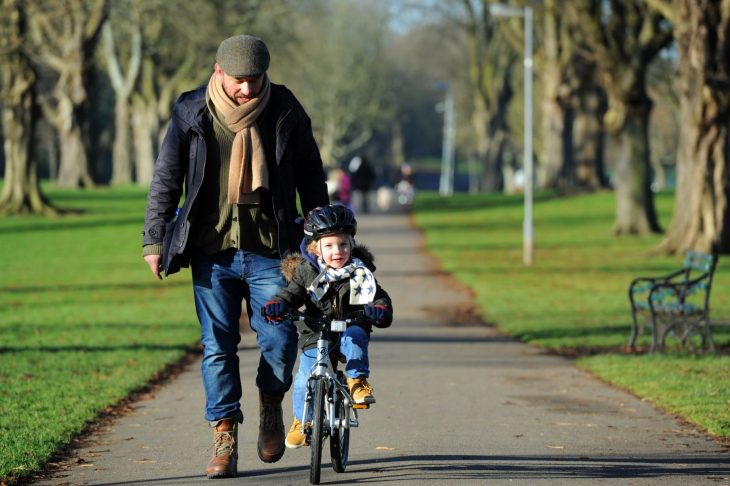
(353, 346)
(220, 283)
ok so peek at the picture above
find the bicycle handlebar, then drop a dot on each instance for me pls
(330, 323)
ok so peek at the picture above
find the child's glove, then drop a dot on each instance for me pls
(379, 314)
(274, 310)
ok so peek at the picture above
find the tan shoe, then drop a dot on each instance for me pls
(271, 428)
(360, 390)
(296, 438)
(224, 462)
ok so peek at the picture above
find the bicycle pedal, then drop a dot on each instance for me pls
(361, 406)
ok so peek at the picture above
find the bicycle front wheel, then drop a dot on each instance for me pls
(318, 427)
(340, 440)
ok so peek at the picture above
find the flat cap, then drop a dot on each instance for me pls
(243, 55)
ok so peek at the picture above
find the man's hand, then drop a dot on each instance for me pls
(155, 263)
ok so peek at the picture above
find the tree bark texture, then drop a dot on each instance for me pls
(635, 212)
(589, 138)
(701, 219)
(145, 133)
(21, 190)
(65, 34)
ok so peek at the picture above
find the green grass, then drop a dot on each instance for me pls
(83, 323)
(573, 299)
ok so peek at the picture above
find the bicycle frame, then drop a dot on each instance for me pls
(323, 369)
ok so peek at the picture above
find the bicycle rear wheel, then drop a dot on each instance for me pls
(340, 439)
(318, 426)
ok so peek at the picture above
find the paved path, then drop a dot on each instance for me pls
(456, 405)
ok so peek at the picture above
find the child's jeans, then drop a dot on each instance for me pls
(353, 346)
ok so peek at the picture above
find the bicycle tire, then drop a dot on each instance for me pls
(318, 426)
(340, 436)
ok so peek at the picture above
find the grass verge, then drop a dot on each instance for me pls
(82, 321)
(573, 299)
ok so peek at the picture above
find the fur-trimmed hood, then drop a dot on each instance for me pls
(290, 263)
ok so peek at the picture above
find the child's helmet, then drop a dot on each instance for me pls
(326, 220)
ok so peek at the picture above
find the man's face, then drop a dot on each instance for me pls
(240, 90)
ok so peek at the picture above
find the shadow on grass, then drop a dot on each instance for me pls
(34, 289)
(67, 225)
(573, 332)
(75, 348)
(467, 203)
(117, 195)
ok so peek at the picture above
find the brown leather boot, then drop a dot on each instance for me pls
(224, 462)
(271, 428)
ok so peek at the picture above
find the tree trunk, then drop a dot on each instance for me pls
(489, 121)
(553, 143)
(122, 164)
(73, 171)
(701, 219)
(397, 146)
(589, 139)
(492, 177)
(21, 191)
(145, 135)
(635, 213)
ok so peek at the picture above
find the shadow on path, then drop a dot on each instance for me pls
(484, 467)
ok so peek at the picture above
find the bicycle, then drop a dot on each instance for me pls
(328, 397)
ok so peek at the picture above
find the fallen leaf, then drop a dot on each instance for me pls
(384, 448)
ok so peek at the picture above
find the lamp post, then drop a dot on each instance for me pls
(446, 181)
(502, 10)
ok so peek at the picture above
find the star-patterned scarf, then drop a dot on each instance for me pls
(362, 282)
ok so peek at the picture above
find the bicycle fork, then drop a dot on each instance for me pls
(323, 370)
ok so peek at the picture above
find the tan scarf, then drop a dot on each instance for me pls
(248, 171)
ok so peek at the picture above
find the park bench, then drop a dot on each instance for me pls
(677, 303)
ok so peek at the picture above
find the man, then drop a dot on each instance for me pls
(241, 148)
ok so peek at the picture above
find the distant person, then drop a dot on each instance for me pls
(362, 176)
(333, 277)
(241, 149)
(342, 193)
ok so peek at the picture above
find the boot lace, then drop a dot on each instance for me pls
(362, 385)
(297, 425)
(225, 443)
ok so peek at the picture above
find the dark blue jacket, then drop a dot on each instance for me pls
(295, 167)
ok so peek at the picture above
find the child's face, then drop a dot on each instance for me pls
(335, 250)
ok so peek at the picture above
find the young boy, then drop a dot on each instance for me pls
(334, 277)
